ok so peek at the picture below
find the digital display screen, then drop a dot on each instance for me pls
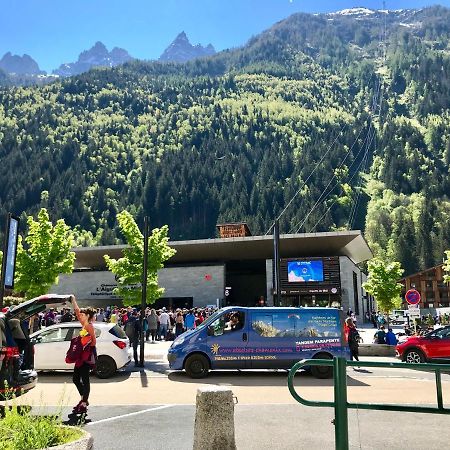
(305, 271)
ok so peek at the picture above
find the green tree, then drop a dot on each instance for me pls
(382, 283)
(447, 267)
(128, 269)
(46, 254)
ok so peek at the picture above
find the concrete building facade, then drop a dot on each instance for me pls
(239, 271)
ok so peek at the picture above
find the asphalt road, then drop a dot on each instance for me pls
(154, 408)
(275, 426)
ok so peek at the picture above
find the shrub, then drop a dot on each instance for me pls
(21, 430)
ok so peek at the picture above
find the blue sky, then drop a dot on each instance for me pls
(56, 31)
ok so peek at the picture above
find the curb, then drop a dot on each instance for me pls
(86, 442)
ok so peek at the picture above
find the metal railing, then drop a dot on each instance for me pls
(340, 403)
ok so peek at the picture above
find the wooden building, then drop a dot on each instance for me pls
(434, 292)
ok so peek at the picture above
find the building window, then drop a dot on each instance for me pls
(355, 293)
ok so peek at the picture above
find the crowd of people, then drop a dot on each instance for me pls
(158, 324)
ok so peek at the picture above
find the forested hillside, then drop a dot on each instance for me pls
(233, 137)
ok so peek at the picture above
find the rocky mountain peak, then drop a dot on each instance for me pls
(181, 50)
(19, 65)
(96, 56)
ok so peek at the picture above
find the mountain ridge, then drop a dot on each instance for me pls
(181, 50)
(97, 56)
(19, 65)
(145, 136)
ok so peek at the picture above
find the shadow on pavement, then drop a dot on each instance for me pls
(144, 379)
(66, 377)
(258, 378)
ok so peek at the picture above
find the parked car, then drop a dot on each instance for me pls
(260, 338)
(398, 317)
(16, 374)
(432, 347)
(51, 345)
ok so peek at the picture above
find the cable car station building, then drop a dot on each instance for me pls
(317, 269)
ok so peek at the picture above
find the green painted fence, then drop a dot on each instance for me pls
(340, 403)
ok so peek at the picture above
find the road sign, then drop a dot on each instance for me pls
(414, 312)
(412, 297)
(413, 307)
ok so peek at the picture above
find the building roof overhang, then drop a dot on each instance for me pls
(336, 243)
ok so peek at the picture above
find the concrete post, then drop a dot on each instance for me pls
(214, 419)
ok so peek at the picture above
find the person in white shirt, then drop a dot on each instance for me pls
(164, 323)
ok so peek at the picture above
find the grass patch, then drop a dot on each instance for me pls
(21, 430)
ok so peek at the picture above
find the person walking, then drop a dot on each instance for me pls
(352, 338)
(87, 360)
(164, 323)
(179, 324)
(189, 320)
(133, 330)
(152, 321)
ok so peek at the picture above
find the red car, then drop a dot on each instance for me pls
(433, 347)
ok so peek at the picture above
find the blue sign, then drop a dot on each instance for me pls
(10, 263)
(412, 297)
(304, 271)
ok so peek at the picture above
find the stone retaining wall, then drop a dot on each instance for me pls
(376, 350)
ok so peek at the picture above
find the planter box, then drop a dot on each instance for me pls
(376, 350)
(86, 442)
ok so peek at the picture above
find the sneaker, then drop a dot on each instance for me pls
(75, 408)
(81, 408)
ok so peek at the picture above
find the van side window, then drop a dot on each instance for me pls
(227, 323)
(293, 324)
(274, 325)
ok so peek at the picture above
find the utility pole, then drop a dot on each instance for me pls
(144, 290)
(276, 260)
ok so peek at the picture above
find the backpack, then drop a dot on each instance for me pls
(75, 350)
(130, 329)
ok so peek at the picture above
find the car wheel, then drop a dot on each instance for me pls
(322, 371)
(197, 366)
(414, 356)
(105, 367)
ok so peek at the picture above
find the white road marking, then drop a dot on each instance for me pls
(110, 419)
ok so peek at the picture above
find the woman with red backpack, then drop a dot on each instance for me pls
(86, 359)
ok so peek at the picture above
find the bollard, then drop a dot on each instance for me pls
(214, 419)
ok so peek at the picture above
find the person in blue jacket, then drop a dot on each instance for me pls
(391, 338)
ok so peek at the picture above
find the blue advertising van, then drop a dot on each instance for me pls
(260, 338)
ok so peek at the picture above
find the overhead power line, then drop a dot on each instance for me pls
(307, 179)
